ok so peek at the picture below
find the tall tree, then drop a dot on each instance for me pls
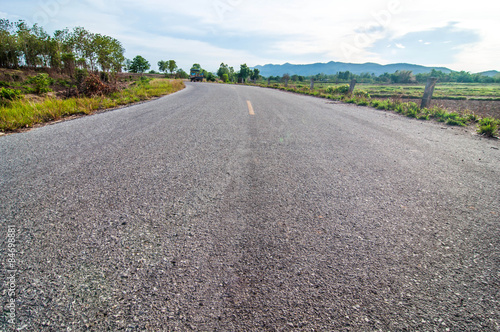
(9, 47)
(254, 74)
(172, 66)
(244, 72)
(139, 65)
(162, 66)
(223, 69)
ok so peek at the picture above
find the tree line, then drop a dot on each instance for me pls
(22, 45)
(400, 76)
(229, 74)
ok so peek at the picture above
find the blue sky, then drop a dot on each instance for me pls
(461, 36)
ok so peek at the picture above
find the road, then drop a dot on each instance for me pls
(235, 208)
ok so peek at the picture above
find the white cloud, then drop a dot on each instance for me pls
(308, 32)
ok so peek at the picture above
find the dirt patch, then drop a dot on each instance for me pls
(483, 108)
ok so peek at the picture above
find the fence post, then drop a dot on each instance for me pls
(312, 83)
(429, 90)
(352, 86)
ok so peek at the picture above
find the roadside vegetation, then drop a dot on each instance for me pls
(45, 78)
(398, 92)
(18, 111)
(486, 126)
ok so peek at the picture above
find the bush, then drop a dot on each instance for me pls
(362, 102)
(9, 94)
(80, 76)
(145, 80)
(211, 77)
(471, 117)
(455, 122)
(41, 83)
(339, 90)
(362, 94)
(381, 104)
(440, 114)
(488, 127)
(454, 119)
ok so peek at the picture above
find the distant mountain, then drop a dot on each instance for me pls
(490, 73)
(333, 67)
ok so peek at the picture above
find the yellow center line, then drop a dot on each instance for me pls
(250, 108)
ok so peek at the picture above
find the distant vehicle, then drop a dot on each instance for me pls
(196, 75)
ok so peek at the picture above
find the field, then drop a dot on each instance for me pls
(480, 99)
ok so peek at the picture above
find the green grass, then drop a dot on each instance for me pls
(409, 109)
(22, 113)
(451, 91)
(488, 127)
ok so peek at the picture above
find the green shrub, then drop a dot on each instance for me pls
(362, 102)
(380, 104)
(471, 117)
(423, 116)
(455, 122)
(145, 80)
(40, 82)
(488, 127)
(362, 94)
(9, 94)
(339, 90)
(440, 114)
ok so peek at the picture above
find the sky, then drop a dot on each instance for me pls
(460, 35)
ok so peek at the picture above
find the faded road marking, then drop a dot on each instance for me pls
(250, 108)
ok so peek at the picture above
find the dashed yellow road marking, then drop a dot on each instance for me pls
(250, 108)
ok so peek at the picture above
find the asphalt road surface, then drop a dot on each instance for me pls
(234, 208)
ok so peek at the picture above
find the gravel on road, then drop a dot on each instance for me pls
(187, 213)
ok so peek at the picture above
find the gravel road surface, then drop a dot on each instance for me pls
(188, 213)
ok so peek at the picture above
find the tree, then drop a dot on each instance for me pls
(402, 76)
(109, 53)
(210, 77)
(182, 74)
(172, 66)
(254, 74)
(163, 66)
(9, 47)
(223, 69)
(21, 44)
(244, 72)
(196, 66)
(139, 65)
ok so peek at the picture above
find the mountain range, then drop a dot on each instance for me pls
(333, 67)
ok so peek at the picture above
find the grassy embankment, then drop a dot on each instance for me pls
(391, 97)
(23, 112)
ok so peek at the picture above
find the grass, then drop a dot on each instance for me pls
(450, 91)
(487, 127)
(23, 113)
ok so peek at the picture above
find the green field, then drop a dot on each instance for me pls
(452, 91)
(404, 99)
